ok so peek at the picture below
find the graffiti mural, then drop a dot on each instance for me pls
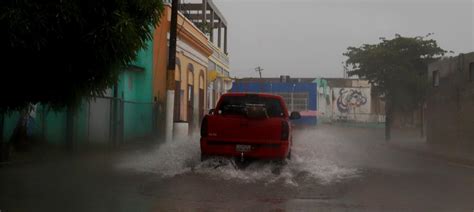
(350, 99)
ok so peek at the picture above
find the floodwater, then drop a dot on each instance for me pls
(309, 163)
(332, 169)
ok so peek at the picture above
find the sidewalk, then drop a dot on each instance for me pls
(42, 152)
(453, 152)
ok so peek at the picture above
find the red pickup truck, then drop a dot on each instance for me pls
(247, 125)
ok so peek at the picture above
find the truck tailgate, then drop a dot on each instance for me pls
(240, 129)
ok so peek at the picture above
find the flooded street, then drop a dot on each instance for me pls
(332, 169)
(120, 106)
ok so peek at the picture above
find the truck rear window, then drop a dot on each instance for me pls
(236, 105)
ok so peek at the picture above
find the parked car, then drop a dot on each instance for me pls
(248, 125)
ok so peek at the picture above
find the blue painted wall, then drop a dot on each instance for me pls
(263, 87)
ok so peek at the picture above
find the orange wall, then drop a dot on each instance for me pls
(160, 56)
(188, 33)
(186, 78)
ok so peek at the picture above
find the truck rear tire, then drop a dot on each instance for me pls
(204, 157)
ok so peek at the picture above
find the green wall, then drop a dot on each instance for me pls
(53, 127)
(135, 88)
(9, 124)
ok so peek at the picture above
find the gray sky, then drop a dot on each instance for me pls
(306, 38)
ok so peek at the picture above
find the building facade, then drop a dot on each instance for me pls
(197, 55)
(299, 94)
(219, 81)
(449, 108)
(206, 16)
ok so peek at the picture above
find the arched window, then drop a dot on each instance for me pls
(201, 94)
(190, 93)
(201, 79)
(190, 74)
(177, 72)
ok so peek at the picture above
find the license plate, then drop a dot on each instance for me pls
(242, 148)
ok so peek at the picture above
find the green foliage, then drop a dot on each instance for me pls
(60, 51)
(396, 68)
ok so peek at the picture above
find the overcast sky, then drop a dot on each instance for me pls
(306, 38)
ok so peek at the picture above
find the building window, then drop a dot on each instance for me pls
(471, 72)
(190, 93)
(300, 101)
(297, 101)
(435, 78)
(182, 110)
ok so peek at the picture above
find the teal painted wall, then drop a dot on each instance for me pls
(55, 131)
(81, 119)
(323, 100)
(135, 88)
(322, 85)
(38, 129)
(54, 128)
(9, 124)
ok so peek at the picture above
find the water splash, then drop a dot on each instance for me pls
(183, 157)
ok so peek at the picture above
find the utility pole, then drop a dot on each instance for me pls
(170, 75)
(259, 70)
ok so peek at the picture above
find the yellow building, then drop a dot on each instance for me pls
(210, 20)
(193, 51)
(197, 56)
(219, 81)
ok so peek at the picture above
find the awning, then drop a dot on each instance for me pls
(214, 74)
(227, 79)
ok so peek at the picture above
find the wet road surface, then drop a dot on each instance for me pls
(332, 169)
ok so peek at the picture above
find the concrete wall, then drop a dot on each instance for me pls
(99, 121)
(449, 110)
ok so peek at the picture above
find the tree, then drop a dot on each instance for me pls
(397, 70)
(58, 52)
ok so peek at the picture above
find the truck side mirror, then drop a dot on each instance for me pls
(295, 115)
